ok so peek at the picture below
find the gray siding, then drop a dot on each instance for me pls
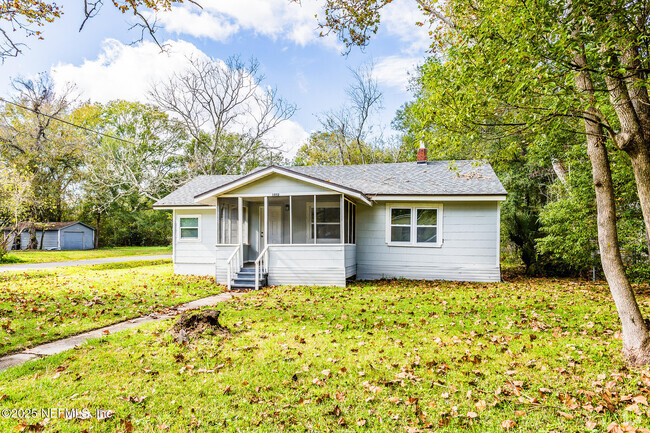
(316, 265)
(277, 183)
(222, 254)
(350, 260)
(87, 234)
(61, 239)
(196, 257)
(51, 241)
(469, 251)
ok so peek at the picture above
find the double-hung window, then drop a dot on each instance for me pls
(414, 225)
(188, 228)
(400, 225)
(327, 224)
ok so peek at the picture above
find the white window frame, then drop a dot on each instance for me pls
(391, 225)
(180, 236)
(311, 223)
(414, 225)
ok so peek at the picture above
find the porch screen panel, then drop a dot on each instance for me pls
(300, 218)
(350, 223)
(326, 223)
(346, 223)
(228, 221)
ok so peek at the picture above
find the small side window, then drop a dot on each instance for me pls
(189, 228)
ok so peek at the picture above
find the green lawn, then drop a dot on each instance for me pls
(531, 356)
(64, 256)
(41, 306)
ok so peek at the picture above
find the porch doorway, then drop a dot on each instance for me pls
(275, 226)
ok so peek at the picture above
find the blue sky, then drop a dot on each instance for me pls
(309, 71)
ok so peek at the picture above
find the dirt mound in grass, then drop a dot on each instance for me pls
(195, 323)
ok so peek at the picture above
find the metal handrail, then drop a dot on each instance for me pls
(261, 266)
(229, 264)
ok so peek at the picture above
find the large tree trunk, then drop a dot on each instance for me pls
(640, 159)
(636, 340)
(629, 98)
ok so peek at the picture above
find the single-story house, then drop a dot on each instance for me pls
(73, 235)
(322, 225)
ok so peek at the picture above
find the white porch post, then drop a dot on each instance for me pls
(240, 228)
(342, 221)
(290, 219)
(266, 220)
(216, 219)
(314, 219)
(217, 224)
(174, 235)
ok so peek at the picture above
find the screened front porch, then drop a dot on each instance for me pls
(295, 239)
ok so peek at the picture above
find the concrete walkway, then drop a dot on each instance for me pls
(32, 266)
(71, 342)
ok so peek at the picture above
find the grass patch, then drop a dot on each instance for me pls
(10, 259)
(41, 306)
(532, 355)
(38, 256)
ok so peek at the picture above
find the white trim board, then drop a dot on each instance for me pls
(413, 225)
(198, 228)
(438, 198)
(184, 207)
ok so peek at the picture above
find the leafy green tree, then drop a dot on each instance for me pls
(139, 159)
(49, 152)
(545, 66)
(15, 198)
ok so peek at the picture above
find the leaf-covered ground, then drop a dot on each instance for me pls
(533, 355)
(38, 256)
(41, 306)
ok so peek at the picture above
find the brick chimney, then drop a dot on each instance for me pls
(422, 154)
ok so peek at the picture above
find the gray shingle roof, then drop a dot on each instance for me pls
(184, 196)
(52, 226)
(405, 178)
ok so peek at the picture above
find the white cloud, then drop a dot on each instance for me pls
(289, 136)
(127, 72)
(395, 71)
(201, 24)
(124, 71)
(272, 18)
(400, 19)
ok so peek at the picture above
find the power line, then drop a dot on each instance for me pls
(66, 122)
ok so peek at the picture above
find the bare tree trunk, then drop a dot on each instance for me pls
(636, 340)
(560, 170)
(98, 220)
(40, 247)
(33, 242)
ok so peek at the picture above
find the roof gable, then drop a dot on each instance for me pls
(277, 183)
(326, 185)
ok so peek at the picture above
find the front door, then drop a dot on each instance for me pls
(275, 226)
